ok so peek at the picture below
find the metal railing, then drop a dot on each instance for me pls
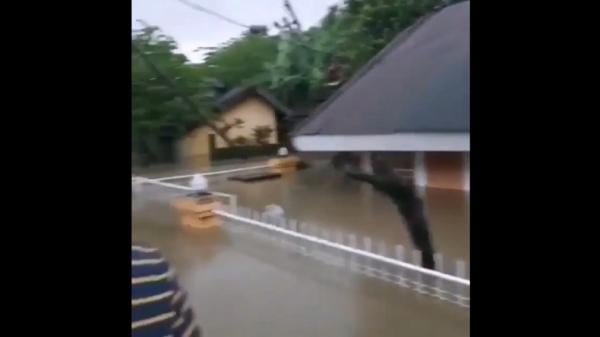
(397, 264)
(364, 255)
(215, 173)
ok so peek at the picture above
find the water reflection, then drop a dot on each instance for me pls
(322, 196)
(241, 285)
(244, 286)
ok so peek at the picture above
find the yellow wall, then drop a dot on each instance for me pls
(195, 144)
(254, 112)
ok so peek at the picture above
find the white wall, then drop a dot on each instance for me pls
(451, 142)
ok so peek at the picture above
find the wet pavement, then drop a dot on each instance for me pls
(242, 286)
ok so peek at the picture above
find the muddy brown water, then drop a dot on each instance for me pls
(243, 286)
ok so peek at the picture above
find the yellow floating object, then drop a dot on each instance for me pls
(197, 213)
(284, 164)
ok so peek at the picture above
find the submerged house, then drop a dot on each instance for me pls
(410, 102)
(246, 109)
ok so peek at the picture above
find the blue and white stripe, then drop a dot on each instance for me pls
(158, 306)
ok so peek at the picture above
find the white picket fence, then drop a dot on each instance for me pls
(398, 264)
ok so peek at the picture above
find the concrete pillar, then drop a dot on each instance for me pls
(420, 174)
(467, 171)
(366, 164)
(420, 170)
(367, 194)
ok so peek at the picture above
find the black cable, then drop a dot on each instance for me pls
(237, 23)
(213, 13)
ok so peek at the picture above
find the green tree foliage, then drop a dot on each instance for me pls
(298, 74)
(311, 64)
(240, 61)
(376, 22)
(159, 114)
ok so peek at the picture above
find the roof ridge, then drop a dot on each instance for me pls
(397, 40)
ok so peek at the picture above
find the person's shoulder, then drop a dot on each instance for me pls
(152, 291)
(151, 274)
(142, 247)
(147, 261)
(143, 251)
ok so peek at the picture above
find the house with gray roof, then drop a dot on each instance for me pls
(412, 99)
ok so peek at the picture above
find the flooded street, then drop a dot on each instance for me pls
(240, 285)
(323, 197)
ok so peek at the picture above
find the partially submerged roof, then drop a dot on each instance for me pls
(238, 95)
(419, 84)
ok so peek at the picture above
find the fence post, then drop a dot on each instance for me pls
(461, 296)
(310, 231)
(368, 246)
(293, 225)
(326, 256)
(302, 228)
(242, 212)
(439, 283)
(352, 261)
(418, 281)
(284, 238)
(339, 238)
(234, 203)
(280, 221)
(401, 256)
(382, 269)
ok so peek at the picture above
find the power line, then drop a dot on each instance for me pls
(213, 13)
(287, 24)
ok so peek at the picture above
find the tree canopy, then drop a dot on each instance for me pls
(159, 114)
(300, 67)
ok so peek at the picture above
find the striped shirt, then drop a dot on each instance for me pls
(159, 308)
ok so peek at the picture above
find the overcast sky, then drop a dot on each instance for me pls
(192, 29)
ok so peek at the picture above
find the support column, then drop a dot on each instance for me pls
(366, 164)
(420, 170)
(420, 174)
(366, 190)
(467, 171)
(467, 185)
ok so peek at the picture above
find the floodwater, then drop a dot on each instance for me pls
(240, 285)
(323, 197)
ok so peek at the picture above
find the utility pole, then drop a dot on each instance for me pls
(288, 6)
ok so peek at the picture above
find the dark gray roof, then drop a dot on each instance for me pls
(237, 95)
(418, 83)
